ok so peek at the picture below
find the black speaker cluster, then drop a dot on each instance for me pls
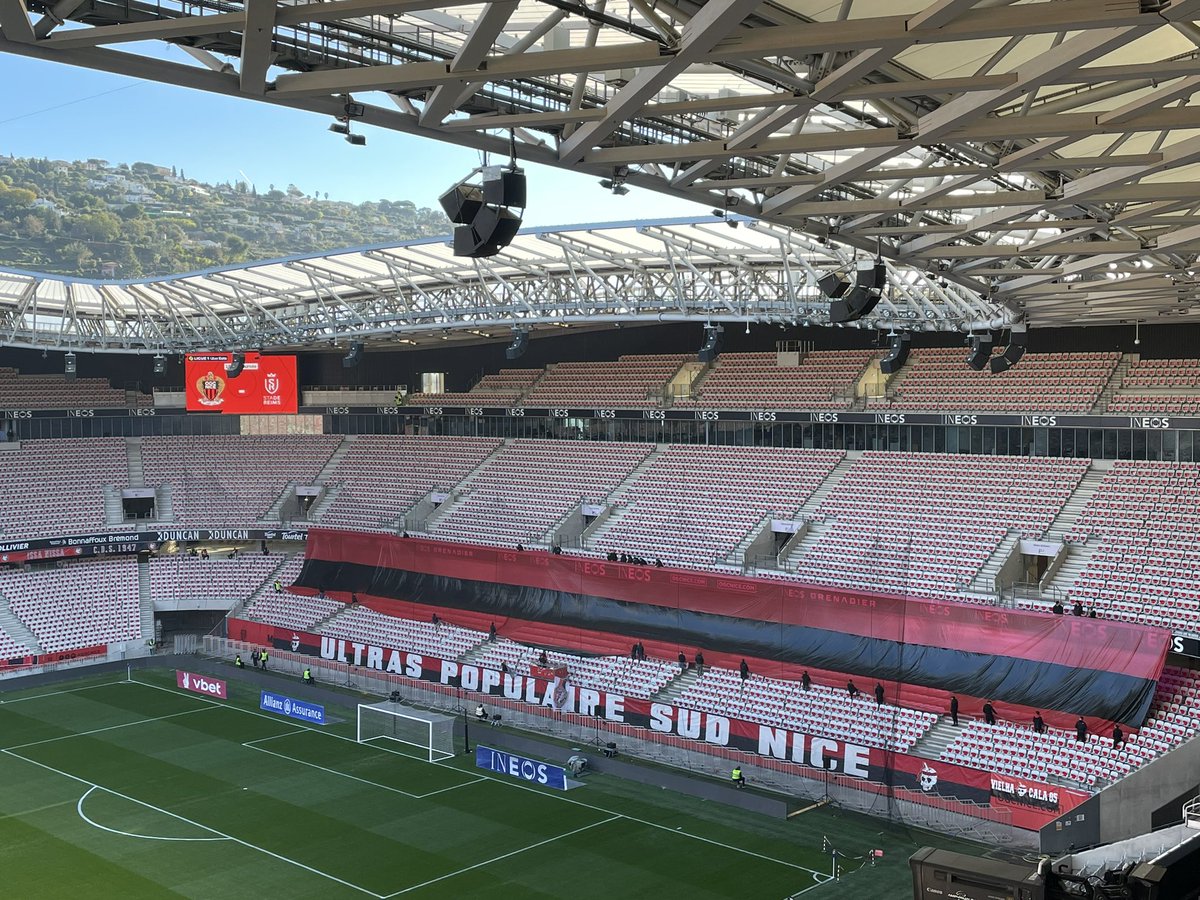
(850, 302)
(898, 355)
(234, 367)
(981, 351)
(486, 216)
(1012, 353)
(711, 348)
(516, 349)
(354, 356)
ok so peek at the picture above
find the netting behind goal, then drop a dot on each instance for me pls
(429, 735)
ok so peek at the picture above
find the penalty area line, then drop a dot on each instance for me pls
(192, 822)
(496, 859)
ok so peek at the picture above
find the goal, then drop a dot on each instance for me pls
(429, 735)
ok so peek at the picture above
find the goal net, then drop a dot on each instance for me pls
(428, 735)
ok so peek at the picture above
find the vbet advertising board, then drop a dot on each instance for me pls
(266, 384)
(201, 684)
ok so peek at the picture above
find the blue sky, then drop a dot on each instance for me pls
(73, 113)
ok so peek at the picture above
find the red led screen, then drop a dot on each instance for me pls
(267, 384)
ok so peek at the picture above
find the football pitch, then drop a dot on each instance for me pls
(112, 787)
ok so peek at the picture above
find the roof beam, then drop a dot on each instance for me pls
(469, 57)
(14, 21)
(814, 142)
(496, 68)
(949, 119)
(714, 21)
(257, 35)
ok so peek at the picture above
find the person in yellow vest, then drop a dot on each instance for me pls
(237, 661)
(262, 658)
(308, 679)
(739, 780)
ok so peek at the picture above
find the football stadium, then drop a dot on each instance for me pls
(840, 540)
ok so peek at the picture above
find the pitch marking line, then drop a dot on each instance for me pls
(90, 687)
(515, 784)
(220, 834)
(250, 745)
(130, 834)
(67, 737)
(496, 859)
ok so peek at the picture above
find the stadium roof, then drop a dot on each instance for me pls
(1042, 153)
(419, 292)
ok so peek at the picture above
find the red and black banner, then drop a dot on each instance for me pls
(1031, 804)
(1102, 670)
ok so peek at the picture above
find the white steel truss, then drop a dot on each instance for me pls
(580, 277)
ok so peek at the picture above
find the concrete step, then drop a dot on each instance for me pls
(12, 624)
(145, 601)
(133, 456)
(676, 686)
(941, 734)
(331, 464)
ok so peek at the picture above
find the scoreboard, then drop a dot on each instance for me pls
(266, 384)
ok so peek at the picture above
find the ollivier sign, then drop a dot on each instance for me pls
(1032, 804)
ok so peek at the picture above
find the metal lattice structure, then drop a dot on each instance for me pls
(419, 292)
(1039, 153)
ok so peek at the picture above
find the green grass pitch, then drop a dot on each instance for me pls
(130, 789)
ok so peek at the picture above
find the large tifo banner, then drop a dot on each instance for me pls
(1103, 670)
(1032, 804)
(266, 384)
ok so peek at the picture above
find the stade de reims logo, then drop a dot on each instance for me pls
(271, 383)
(210, 387)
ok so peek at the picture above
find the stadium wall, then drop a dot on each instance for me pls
(1147, 799)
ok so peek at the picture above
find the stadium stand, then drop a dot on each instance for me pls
(380, 477)
(503, 388)
(1143, 518)
(518, 494)
(937, 379)
(639, 678)
(60, 484)
(1159, 387)
(692, 505)
(444, 640)
(286, 609)
(78, 604)
(820, 709)
(630, 381)
(823, 379)
(10, 648)
(178, 576)
(232, 480)
(1014, 749)
(881, 530)
(56, 392)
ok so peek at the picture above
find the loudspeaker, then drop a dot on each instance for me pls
(516, 349)
(234, 368)
(981, 351)
(833, 285)
(461, 203)
(871, 276)
(160, 364)
(898, 355)
(711, 348)
(69, 369)
(504, 187)
(856, 304)
(1012, 353)
(354, 357)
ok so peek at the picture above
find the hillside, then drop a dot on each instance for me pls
(98, 219)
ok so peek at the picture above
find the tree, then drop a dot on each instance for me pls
(33, 226)
(79, 255)
(98, 226)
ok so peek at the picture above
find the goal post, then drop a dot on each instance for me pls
(429, 735)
